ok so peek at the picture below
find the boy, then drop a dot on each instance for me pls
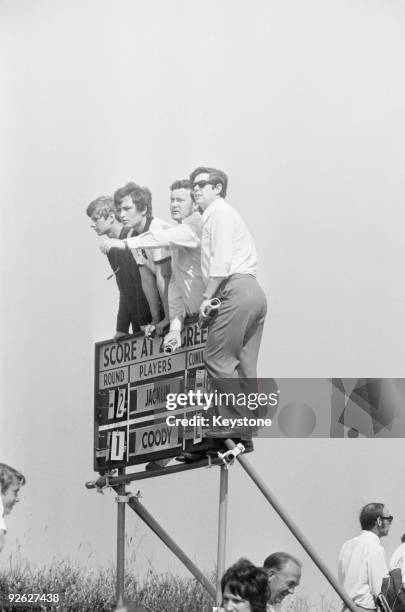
(139, 298)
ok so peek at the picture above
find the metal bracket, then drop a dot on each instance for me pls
(123, 499)
(228, 458)
(107, 482)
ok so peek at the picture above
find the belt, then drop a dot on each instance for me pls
(235, 276)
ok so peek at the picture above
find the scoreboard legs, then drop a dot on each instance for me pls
(121, 503)
(222, 517)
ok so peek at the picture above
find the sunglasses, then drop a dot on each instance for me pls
(387, 518)
(201, 184)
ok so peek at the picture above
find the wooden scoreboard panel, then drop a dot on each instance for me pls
(132, 380)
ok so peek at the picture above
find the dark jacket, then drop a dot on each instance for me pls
(133, 307)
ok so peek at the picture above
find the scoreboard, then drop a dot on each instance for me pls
(132, 380)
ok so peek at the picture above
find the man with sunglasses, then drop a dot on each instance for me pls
(229, 266)
(362, 563)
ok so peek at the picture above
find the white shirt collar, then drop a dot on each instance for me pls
(370, 535)
(211, 208)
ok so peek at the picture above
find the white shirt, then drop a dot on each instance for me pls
(362, 567)
(398, 560)
(158, 255)
(186, 285)
(226, 245)
(2, 522)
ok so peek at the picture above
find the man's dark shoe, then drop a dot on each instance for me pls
(242, 433)
(188, 457)
(158, 464)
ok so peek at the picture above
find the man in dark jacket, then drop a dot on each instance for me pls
(139, 298)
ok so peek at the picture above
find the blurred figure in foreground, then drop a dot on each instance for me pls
(245, 588)
(10, 483)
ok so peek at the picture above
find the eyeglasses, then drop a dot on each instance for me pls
(201, 184)
(387, 518)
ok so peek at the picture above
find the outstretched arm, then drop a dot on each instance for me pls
(150, 289)
(163, 273)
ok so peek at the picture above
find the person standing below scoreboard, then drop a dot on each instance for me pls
(229, 266)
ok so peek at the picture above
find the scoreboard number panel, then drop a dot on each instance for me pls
(131, 383)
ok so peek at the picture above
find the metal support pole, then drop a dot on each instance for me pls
(293, 528)
(120, 489)
(222, 516)
(141, 511)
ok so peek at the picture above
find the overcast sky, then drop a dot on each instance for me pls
(302, 104)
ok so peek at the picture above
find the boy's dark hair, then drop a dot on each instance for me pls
(9, 476)
(141, 197)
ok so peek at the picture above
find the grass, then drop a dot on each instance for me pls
(93, 590)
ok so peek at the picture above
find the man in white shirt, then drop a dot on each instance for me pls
(398, 559)
(10, 483)
(362, 563)
(229, 266)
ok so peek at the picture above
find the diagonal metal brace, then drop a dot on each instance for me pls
(141, 511)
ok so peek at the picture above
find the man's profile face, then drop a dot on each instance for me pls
(102, 225)
(384, 523)
(130, 216)
(204, 192)
(282, 582)
(181, 204)
(10, 497)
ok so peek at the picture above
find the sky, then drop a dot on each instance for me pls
(302, 104)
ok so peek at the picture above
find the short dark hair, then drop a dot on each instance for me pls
(369, 515)
(141, 197)
(101, 207)
(249, 582)
(180, 184)
(9, 476)
(215, 176)
(278, 560)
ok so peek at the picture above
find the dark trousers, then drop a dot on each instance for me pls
(234, 337)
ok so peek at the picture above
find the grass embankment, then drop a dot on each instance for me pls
(94, 590)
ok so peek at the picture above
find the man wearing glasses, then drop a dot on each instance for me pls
(362, 563)
(229, 266)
